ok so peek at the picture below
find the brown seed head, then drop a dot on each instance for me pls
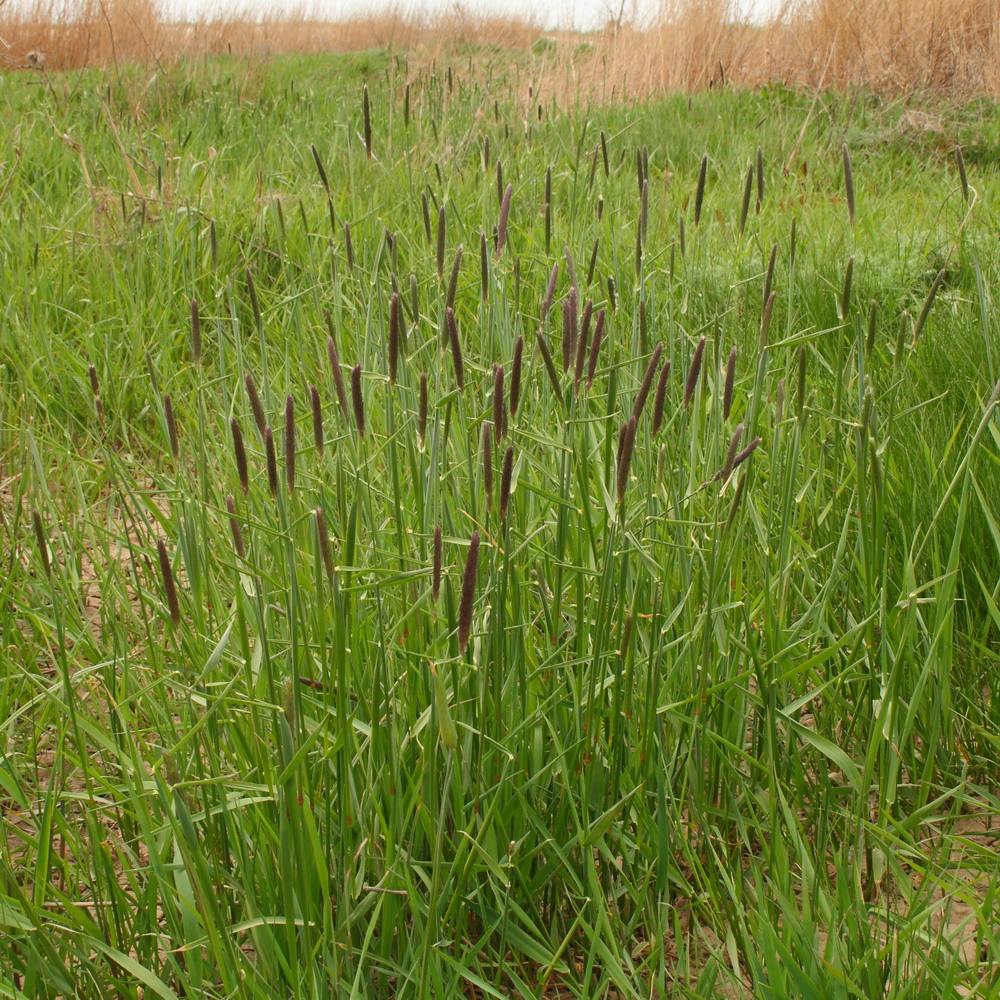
(168, 582)
(659, 400)
(595, 349)
(241, 455)
(727, 393)
(468, 593)
(647, 382)
(256, 406)
(234, 528)
(456, 349)
(358, 400)
(272, 461)
(515, 375)
(693, 372)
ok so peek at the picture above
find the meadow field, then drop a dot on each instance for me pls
(466, 539)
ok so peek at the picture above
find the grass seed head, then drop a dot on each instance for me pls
(442, 228)
(169, 587)
(358, 400)
(256, 407)
(271, 459)
(734, 445)
(582, 342)
(422, 410)
(550, 367)
(456, 349)
(659, 400)
(394, 326)
(570, 269)
(699, 196)
(595, 348)
(848, 182)
(626, 447)
(348, 246)
(550, 292)
(693, 372)
(499, 408)
(325, 548)
(647, 382)
(367, 115)
(515, 375)
(727, 393)
(241, 455)
(468, 593)
(335, 369)
(234, 528)
(745, 206)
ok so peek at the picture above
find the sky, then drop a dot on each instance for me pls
(582, 15)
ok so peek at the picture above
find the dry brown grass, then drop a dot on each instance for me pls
(893, 46)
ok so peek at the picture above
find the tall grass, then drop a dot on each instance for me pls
(888, 46)
(703, 703)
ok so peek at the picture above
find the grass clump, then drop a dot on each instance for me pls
(520, 684)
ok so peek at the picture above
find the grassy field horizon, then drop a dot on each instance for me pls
(465, 541)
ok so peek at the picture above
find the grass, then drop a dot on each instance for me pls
(679, 722)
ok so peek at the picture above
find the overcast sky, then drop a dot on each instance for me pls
(579, 14)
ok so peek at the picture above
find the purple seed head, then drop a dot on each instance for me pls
(394, 324)
(256, 406)
(241, 455)
(234, 528)
(647, 382)
(693, 372)
(515, 375)
(422, 410)
(272, 460)
(358, 400)
(468, 593)
(499, 423)
(550, 292)
(727, 395)
(595, 349)
(456, 349)
(625, 462)
(488, 465)
(169, 587)
(659, 400)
